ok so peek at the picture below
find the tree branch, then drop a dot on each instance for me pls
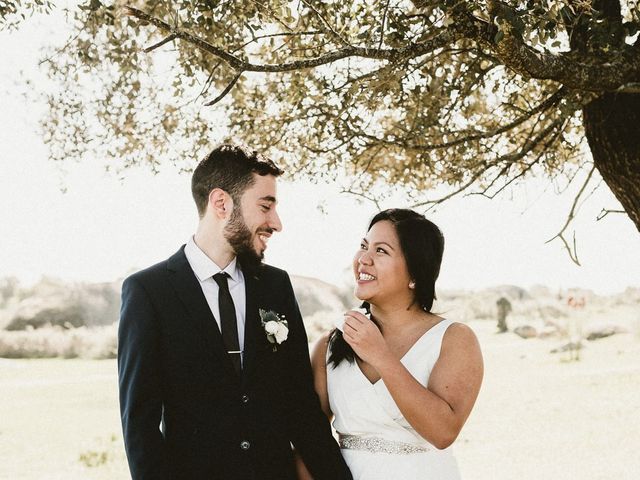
(573, 254)
(591, 72)
(633, 87)
(160, 43)
(604, 212)
(510, 158)
(523, 172)
(60, 50)
(326, 23)
(228, 88)
(389, 54)
(542, 107)
(356, 193)
(594, 73)
(384, 21)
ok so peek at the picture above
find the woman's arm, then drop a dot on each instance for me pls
(319, 367)
(438, 411)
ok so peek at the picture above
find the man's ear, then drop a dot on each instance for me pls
(220, 203)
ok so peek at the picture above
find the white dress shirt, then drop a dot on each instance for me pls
(204, 269)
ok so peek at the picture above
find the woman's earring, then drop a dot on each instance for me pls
(412, 284)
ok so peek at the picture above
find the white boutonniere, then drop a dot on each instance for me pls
(275, 326)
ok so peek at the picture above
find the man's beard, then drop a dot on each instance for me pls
(241, 240)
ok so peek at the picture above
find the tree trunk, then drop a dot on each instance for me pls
(612, 126)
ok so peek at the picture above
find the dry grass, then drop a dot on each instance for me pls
(50, 342)
(56, 417)
(538, 416)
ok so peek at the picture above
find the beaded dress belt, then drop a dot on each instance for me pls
(379, 445)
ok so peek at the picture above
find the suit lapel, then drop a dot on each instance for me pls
(190, 293)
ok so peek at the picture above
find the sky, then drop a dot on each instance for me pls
(103, 228)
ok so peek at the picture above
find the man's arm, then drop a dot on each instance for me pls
(140, 384)
(319, 368)
(309, 428)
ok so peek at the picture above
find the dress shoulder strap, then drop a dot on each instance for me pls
(431, 342)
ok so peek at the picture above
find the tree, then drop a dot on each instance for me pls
(12, 13)
(474, 95)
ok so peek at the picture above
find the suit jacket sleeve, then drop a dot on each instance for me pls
(139, 379)
(309, 429)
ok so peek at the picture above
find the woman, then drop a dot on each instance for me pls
(401, 382)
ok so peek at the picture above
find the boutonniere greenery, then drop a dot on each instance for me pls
(275, 326)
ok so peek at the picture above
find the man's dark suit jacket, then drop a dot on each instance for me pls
(174, 371)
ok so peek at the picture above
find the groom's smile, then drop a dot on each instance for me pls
(258, 213)
(263, 237)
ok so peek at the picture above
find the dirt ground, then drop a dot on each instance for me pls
(539, 416)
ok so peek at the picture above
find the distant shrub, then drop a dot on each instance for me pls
(55, 341)
(92, 458)
(504, 308)
(54, 302)
(106, 451)
(71, 316)
(8, 289)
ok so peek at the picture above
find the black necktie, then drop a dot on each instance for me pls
(228, 321)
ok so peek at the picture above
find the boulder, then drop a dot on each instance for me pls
(525, 331)
(605, 331)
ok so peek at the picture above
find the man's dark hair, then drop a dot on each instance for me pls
(230, 168)
(422, 245)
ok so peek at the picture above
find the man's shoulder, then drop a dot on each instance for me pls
(156, 271)
(267, 269)
(148, 273)
(269, 272)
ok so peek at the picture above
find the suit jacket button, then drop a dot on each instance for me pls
(245, 399)
(244, 445)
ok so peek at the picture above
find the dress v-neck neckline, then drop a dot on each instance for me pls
(420, 338)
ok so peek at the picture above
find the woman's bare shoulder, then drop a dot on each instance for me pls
(460, 335)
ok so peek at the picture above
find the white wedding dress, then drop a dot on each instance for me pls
(376, 440)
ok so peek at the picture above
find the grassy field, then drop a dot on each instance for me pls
(538, 415)
(59, 420)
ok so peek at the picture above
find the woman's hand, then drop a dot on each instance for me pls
(365, 338)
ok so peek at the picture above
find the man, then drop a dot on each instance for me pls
(214, 372)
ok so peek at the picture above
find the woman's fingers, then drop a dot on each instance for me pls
(349, 333)
(351, 322)
(354, 320)
(356, 315)
(351, 325)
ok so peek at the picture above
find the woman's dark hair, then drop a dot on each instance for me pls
(422, 245)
